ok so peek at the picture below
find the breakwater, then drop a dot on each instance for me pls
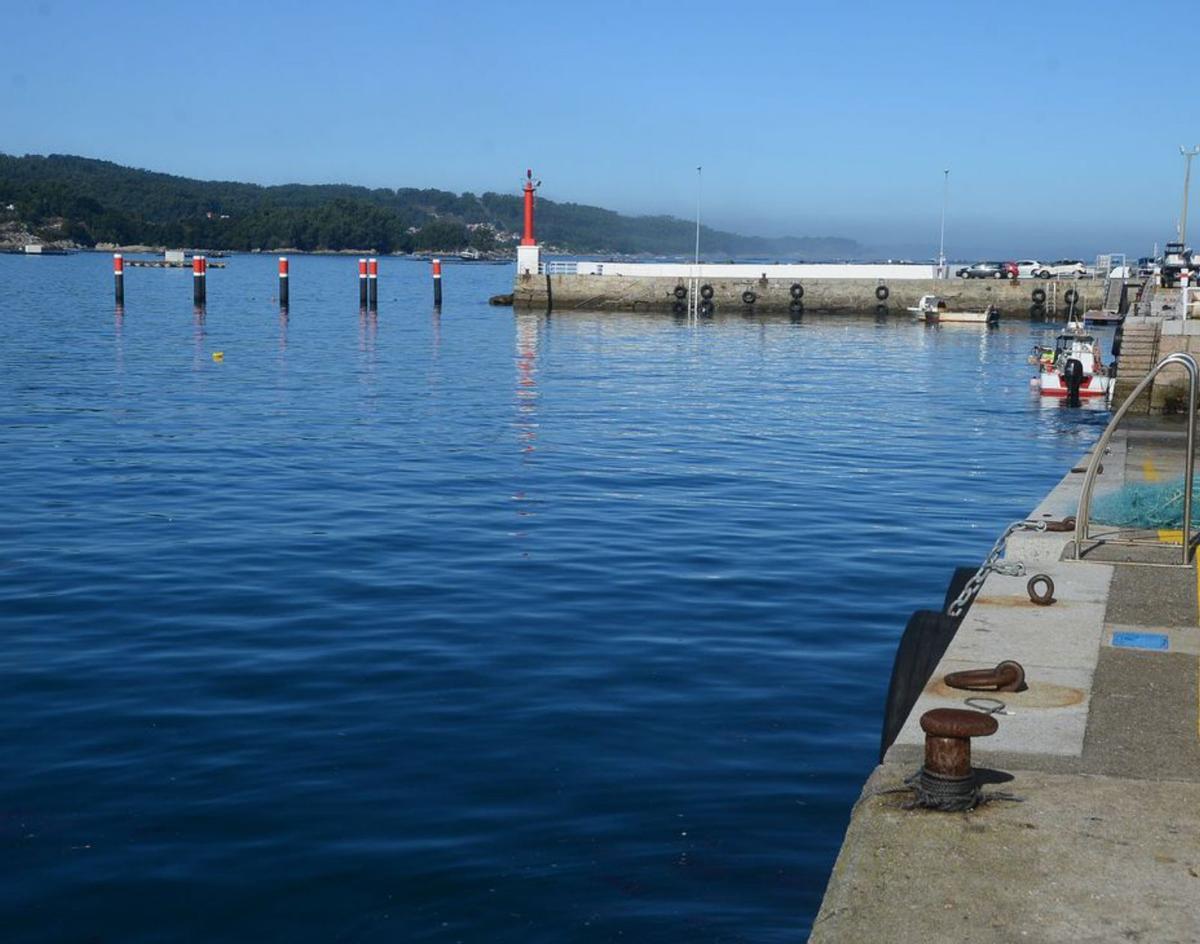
(777, 289)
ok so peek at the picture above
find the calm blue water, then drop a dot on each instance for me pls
(472, 627)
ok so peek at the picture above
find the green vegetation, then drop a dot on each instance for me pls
(88, 202)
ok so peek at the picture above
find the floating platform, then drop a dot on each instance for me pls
(162, 264)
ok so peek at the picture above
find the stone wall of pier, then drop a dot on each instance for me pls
(612, 292)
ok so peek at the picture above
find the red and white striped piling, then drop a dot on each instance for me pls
(373, 283)
(199, 277)
(119, 277)
(283, 282)
(437, 283)
(362, 283)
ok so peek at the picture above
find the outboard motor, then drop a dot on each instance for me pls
(1073, 378)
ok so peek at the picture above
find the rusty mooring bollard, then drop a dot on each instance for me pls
(948, 733)
(947, 780)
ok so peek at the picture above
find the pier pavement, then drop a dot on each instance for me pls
(1098, 836)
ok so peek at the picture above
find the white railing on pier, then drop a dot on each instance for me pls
(747, 270)
(570, 268)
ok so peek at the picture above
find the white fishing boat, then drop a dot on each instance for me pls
(933, 308)
(1073, 367)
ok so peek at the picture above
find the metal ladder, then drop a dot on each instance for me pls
(1188, 363)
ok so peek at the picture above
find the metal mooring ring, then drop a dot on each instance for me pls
(1008, 676)
(1041, 599)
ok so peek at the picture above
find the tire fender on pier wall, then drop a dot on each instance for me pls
(832, 295)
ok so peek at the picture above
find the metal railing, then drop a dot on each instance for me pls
(558, 268)
(1089, 480)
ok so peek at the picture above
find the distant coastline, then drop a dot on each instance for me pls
(63, 201)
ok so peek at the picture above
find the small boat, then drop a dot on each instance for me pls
(932, 308)
(1072, 368)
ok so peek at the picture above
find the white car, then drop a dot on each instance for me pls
(1063, 269)
(1027, 268)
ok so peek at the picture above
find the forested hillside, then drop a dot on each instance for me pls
(85, 201)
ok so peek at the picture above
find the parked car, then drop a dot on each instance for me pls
(1176, 259)
(1010, 270)
(1027, 268)
(982, 270)
(1063, 269)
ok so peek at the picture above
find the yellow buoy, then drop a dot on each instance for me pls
(218, 355)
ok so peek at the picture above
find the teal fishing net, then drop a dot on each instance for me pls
(1148, 505)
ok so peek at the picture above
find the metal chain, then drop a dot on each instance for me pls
(993, 564)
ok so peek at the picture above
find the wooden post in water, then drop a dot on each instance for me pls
(373, 283)
(283, 282)
(437, 283)
(119, 278)
(199, 273)
(362, 283)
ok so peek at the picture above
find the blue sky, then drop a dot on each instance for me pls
(1060, 122)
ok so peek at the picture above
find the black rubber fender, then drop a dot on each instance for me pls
(748, 297)
(706, 292)
(797, 291)
(796, 306)
(881, 309)
(707, 307)
(926, 638)
(1070, 296)
(881, 292)
(1037, 312)
(680, 292)
(679, 308)
(957, 582)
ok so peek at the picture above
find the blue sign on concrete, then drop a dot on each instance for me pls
(1157, 641)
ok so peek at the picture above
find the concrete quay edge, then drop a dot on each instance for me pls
(1094, 831)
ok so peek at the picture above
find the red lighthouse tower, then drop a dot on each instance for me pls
(529, 252)
(530, 187)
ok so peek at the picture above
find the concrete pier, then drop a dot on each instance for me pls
(772, 290)
(1098, 835)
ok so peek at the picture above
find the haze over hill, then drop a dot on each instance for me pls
(88, 202)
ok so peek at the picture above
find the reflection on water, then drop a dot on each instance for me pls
(528, 326)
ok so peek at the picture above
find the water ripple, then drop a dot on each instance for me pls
(470, 625)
